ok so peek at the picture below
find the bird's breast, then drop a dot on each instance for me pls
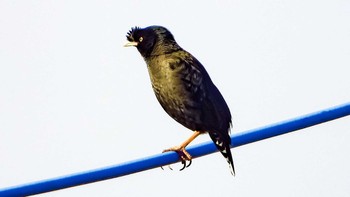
(166, 76)
(166, 81)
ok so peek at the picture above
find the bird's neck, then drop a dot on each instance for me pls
(165, 48)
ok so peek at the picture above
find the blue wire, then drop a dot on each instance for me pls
(158, 160)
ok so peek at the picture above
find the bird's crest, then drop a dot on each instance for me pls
(131, 33)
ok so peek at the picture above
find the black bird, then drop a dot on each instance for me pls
(184, 89)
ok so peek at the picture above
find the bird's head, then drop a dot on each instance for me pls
(153, 40)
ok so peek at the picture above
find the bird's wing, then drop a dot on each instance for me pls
(213, 102)
(204, 102)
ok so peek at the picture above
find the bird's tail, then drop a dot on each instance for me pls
(223, 145)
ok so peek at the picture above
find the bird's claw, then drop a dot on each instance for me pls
(183, 154)
(169, 166)
(184, 164)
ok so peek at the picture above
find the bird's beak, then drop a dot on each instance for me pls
(129, 44)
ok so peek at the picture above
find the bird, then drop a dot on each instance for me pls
(184, 89)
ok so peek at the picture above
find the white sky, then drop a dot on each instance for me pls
(73, 99)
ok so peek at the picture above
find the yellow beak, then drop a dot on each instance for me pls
(129, 44)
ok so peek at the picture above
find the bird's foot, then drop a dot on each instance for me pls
(183, 154)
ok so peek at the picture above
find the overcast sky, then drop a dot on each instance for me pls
(73, 99)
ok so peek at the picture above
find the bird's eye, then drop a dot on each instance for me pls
(140, 39)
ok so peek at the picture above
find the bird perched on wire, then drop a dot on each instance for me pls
(184, 89)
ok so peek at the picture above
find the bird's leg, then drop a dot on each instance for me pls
(181, 151)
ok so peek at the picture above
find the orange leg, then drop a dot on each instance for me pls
(184, 155)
